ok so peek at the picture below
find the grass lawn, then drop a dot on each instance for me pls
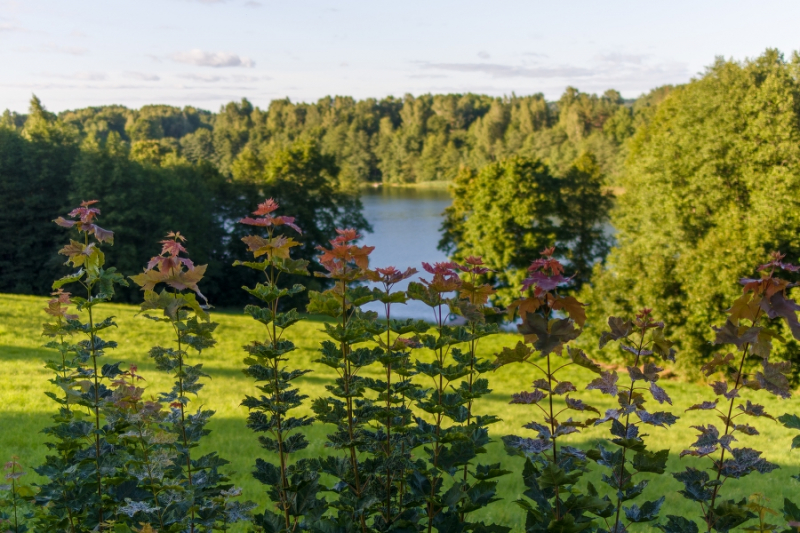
(25, 408)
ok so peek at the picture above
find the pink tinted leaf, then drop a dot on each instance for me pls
(606, 383)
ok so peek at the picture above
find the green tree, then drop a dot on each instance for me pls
(505, 214)
(511, 210)
(712, 180)
(583, 207)
(34, 163)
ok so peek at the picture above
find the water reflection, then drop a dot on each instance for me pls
(406, 225)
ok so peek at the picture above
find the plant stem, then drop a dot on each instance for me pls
(183, 424)
(14, 495)
(388, 414)
(553, 432)
(150, 472)
(627, 425)
(276, 369)
(745, 348)
(92, 338)
(436, 447)
(472, 348)
(349, 403)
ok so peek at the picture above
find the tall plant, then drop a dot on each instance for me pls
(292, 487)
(392, 443)
(78, 488)
(15, 499)
(347, 408)
(202, 501)
(552, 469)
(748, 329)
(791, 510)
(643, 339)
(453, 436)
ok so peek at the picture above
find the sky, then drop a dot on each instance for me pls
(205, 53)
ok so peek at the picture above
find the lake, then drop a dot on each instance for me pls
(406, 225)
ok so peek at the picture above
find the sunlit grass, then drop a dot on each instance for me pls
(25, 409)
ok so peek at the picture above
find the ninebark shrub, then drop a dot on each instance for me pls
(200, 492)
(407, 446)
(293, 487)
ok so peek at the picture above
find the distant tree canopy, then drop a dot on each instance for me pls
(393, 140)
(161, 168)
(511, 210)
(146, 188)
(711, 186)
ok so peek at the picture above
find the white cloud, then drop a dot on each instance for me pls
(620, 59)
(53, 49)
(201, 77)
(496, 70)
(83, 76)
(484, 55)
(212, 59)
(7, 27)
(242, 77)
(142, 76)
(252, 3)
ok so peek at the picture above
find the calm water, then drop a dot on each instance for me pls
(406, 231)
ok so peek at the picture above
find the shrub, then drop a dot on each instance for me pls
(401, 457)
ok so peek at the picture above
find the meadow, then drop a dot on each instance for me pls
(25, 408)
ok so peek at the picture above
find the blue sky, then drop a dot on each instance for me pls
(207, 52)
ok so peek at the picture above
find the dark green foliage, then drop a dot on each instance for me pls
(642, 337)
(82, 472)
(455, 440)
(708, 184)
(16, 498)
(150, 186)
(393, 442)
(357, 493)
(509, 210)
(34, 163)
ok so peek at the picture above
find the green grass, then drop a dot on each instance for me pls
(25, 408)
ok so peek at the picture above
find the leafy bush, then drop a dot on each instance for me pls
(407, 437)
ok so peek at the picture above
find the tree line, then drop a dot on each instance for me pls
(680, 175)
(159, 164)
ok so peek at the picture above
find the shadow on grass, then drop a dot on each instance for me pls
(21, 435)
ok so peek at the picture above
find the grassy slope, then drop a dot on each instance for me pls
(25, 408)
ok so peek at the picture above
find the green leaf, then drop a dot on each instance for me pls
(580, 358)
(791, 512)
(255, 265)
(646, 513)
(517, 354)
(567, 524)
(730, 514)
(554, 476)
(324, 303)
(72, 278)
(656, 462)
(790, 421)
(678, 524)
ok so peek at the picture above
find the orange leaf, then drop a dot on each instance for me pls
(573, 307)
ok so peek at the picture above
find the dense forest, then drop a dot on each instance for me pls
(162, 168)
(700, 182)
(392, 140)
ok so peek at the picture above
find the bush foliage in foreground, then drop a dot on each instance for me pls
(406, 451)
